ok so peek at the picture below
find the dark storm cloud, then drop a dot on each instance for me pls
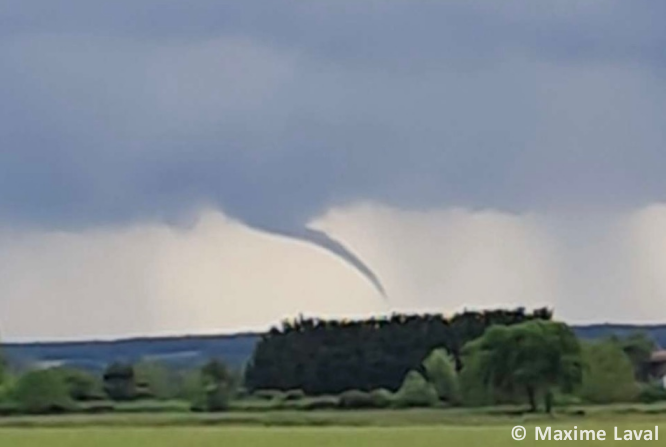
(275, 111)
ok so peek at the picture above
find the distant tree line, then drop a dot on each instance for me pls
(503, 357)
(330, 357)
(144, 386)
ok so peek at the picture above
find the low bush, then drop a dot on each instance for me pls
(319, 403)
(416, 392)
(150, 406)
(355, 399)
(293, 395)
(9, 409)
(242, 393)
(42, 392)
(217, 399)
(566, 400)
(97, 407)
(81, 385)
(256, 405)
(268, 395)
(651, 393)
(382, 398)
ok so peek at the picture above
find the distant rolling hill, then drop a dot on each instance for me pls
(657, 332)
(192, 351)
(187, 351)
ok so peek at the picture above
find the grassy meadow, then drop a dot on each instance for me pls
(469, 436)
(415, 428)
(245, 437)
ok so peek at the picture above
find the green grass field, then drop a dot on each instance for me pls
(412, 428)
(482, 436)
(483, 416)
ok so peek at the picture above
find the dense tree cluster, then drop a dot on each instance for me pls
(535, 357)
(330, 357)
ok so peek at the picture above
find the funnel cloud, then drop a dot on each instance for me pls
(323, 240)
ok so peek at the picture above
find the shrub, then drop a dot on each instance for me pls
(98, 407)
(355, 399)
(211, 399)
(42, 392)
(217, 399)
(320, 403)
(566, 400)
(242, 393)
(5, 389)
(292, 395)
(651, 393)
(381, 398)
(608, 375)
(9, 409)
(198, 406)
(416, 392)
(120, 382)
(81, 385)
(189, 384)
(155, 381)
(268, 395)
(218, 387)
(3, 372)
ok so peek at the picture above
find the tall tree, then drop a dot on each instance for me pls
(3, 368)
(639, 347)
(441, 373)
(120, 382)
(535, 358)
(3, 377)
(157, 381)
(219, 385)
(608, 375)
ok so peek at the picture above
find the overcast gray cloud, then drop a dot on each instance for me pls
(118, 113)
(276, 111)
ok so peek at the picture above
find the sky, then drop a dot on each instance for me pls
(473, 154)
